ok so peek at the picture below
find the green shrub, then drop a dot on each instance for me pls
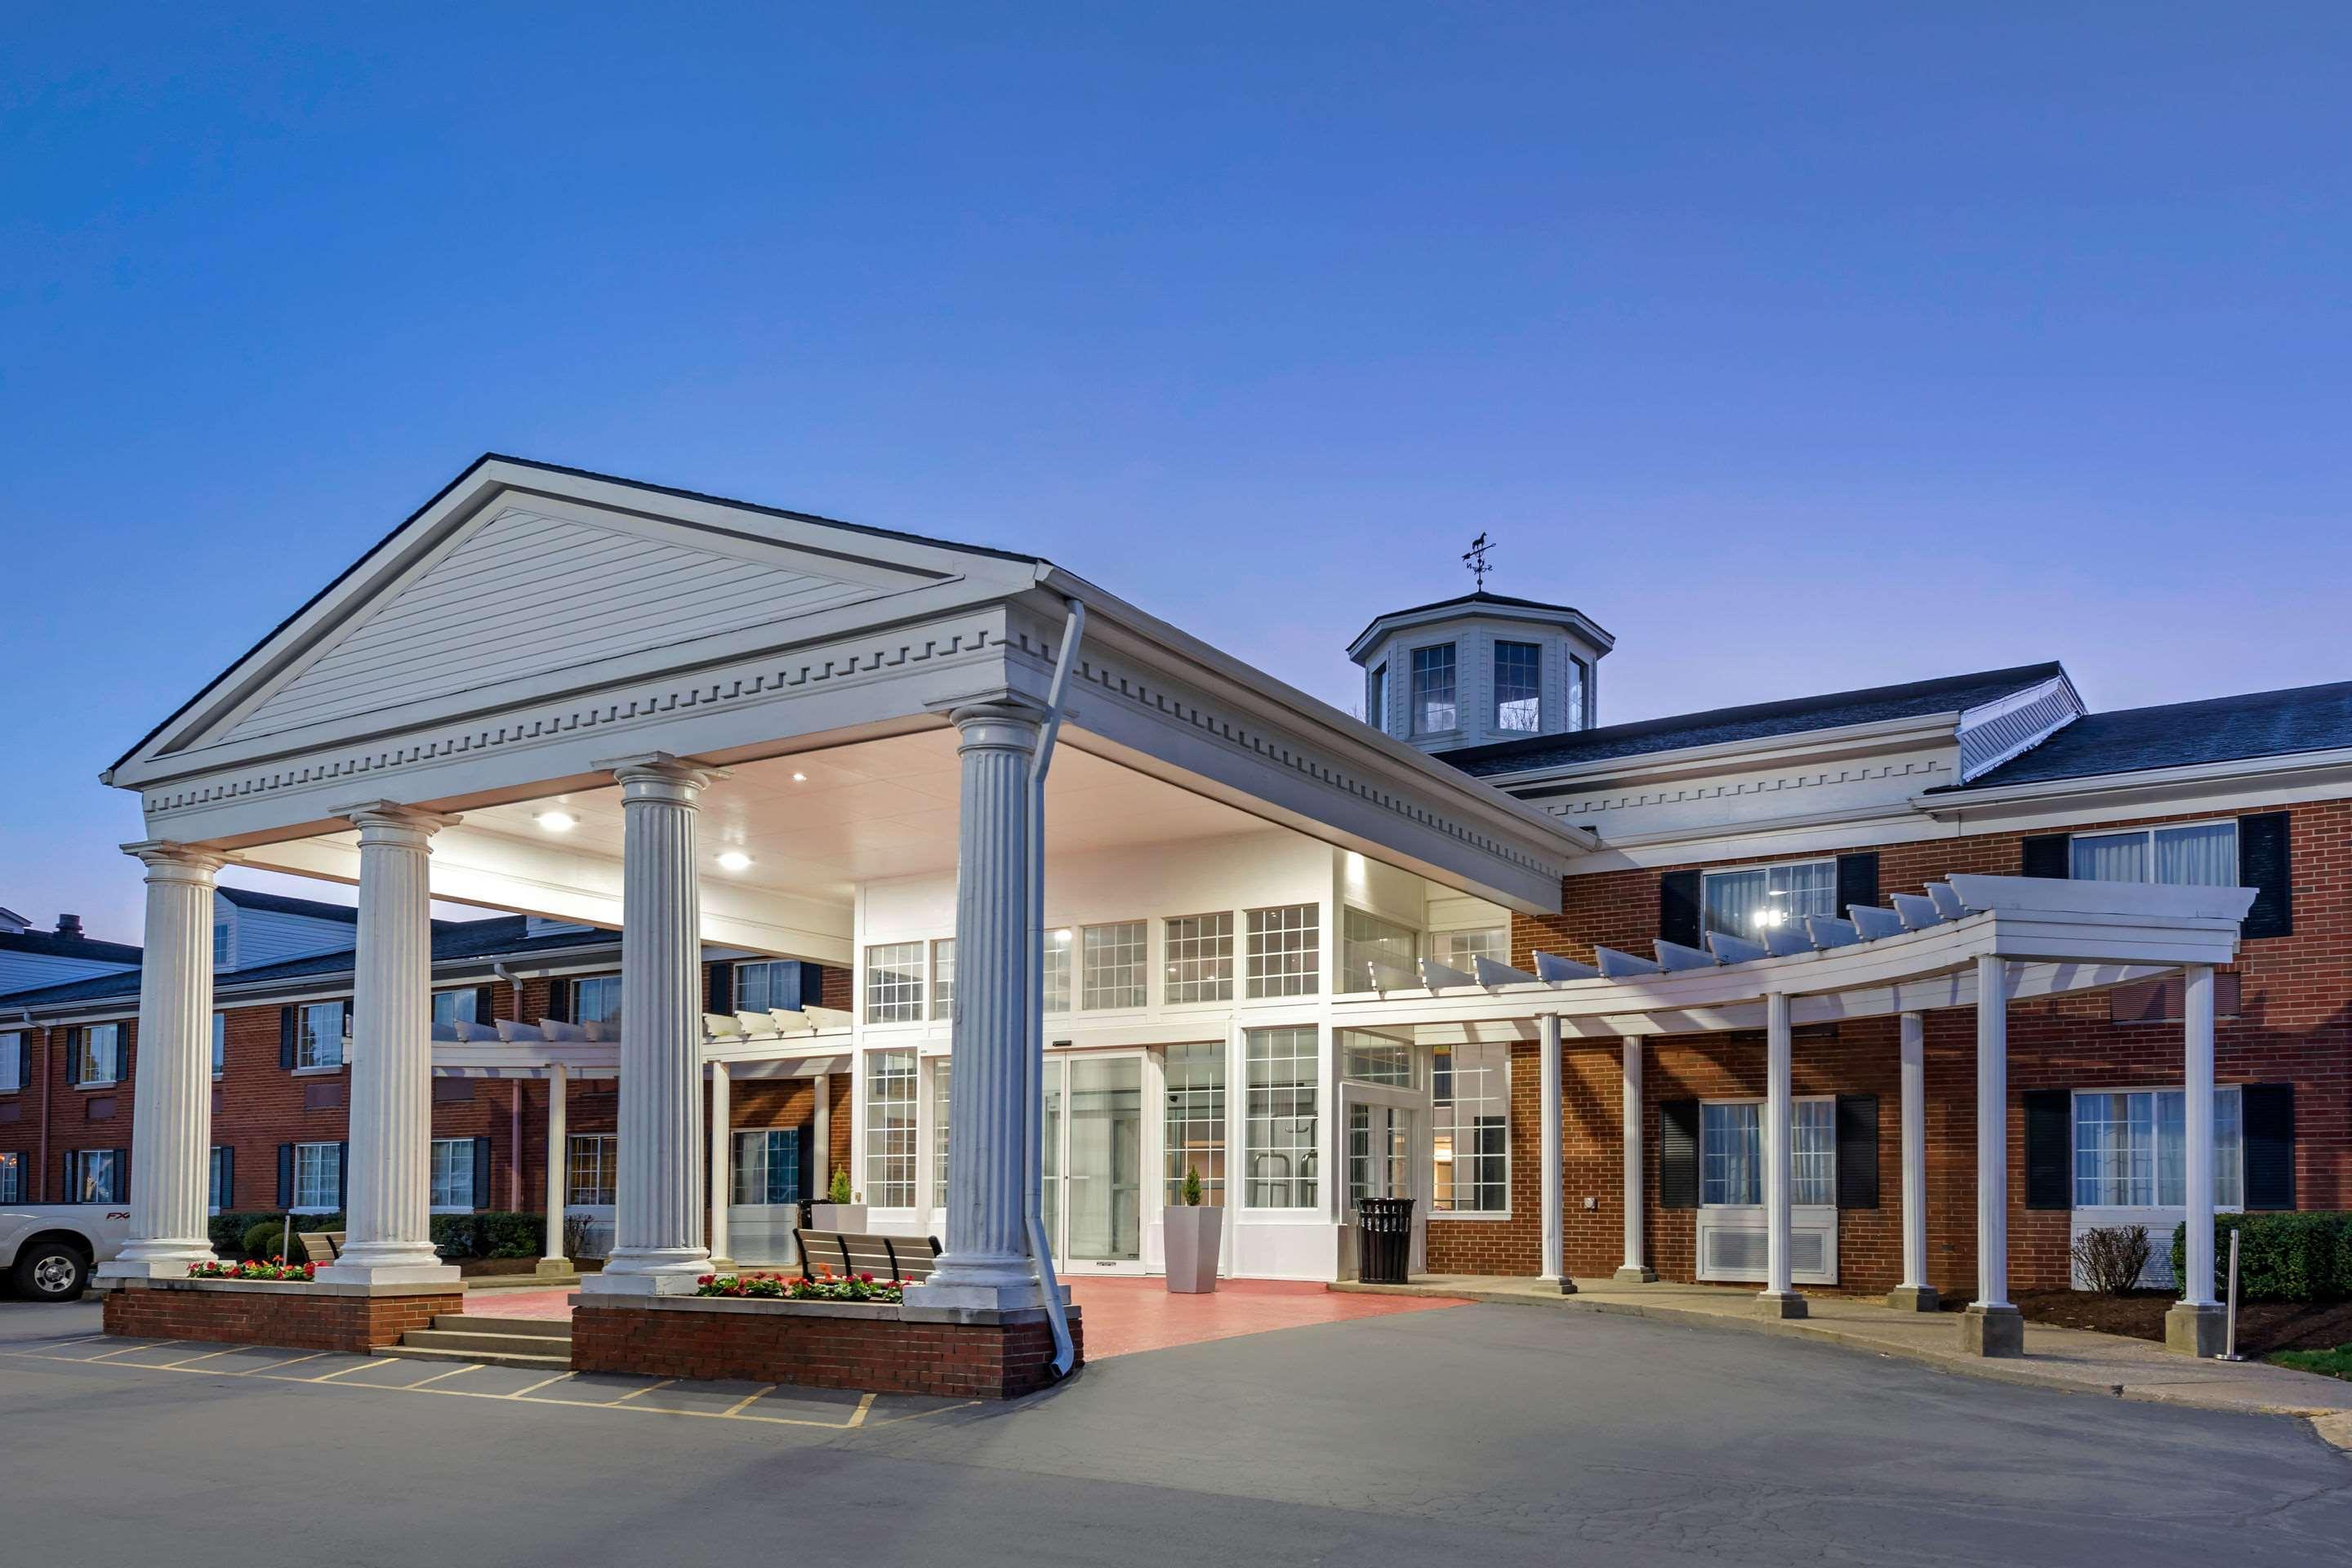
(263, 1235)
(508, 1234)
(2281, 1257)
(458, 1236)
(262, 1239)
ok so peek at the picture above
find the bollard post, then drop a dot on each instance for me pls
(2231, 1352)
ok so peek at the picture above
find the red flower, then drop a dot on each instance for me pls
(865, 1279)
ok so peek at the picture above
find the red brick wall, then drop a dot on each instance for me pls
(2294, 1024)
(956, 1361)
(291, 1319)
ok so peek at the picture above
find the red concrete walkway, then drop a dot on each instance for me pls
(1123, 1316)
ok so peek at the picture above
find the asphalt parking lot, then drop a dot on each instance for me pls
(1495, 1434)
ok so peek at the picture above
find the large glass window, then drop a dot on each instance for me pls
(589, 1167)
(1518, 688)
(1472, 1129)
(1115, 973)
(1284, 1085)
(453, 1173)
(1375, 953)
(1759, 899)
(216, 1178)
(1813, 1153)
(943, 978)
(1577, 688)
(101, 1054)
(456, 1007)
(767, 1166)
(942, 1080)
(890, 1129)
(320, 1028)
(1195, 1122)
(1371, 1058)
(1201, 958)
(894, 982)
(2131, 1149)
(1731, 1153)
(318, 1177)
(12, 1058)
(1455, 949)
(220, 1044)
(596, 999)
(760, 986)
(1285, 950)
(95, 1177)
(2199, 855)
(1432, 690)
(1057, 969)
(11, 1178)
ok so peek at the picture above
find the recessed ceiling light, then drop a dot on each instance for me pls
(1061, 938)
(800, 778)
(734, 861)
(557, 821)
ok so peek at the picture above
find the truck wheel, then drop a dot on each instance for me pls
(50, 1271)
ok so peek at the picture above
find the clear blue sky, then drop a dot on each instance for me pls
(1802, 346)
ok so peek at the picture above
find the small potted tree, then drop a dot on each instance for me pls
(841, 1210)
(1190, 1230)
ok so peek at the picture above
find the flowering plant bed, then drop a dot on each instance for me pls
(778, 1287)
(275, 1268)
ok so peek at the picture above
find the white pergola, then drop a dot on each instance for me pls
(1974, 942)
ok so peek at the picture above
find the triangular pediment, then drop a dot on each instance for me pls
(519, 580)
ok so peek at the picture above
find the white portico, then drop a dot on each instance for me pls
(774, 733)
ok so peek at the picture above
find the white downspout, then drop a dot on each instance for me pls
(1032, 1168)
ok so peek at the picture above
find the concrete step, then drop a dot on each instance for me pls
(480, 1358)
(485, 1323)
(488, 1344)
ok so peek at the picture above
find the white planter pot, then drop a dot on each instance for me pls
(849, 1217)
(1190, 1237)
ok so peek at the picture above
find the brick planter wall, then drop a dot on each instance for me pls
(817, 1344)
(311, 1317)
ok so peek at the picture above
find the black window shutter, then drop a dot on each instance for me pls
(1857, 1146)
(285, 1038)
(1678, 1154)
(73, 1057)
(1857, 883)
(722, 988)
(73, 1188)
(1678, 907)
(481, 1173)
(2262, 866)
(2049, 1149)
(342, 1170)
(558, 994)
(286, 1175)
(485, 1004)
(121, 1177)
(25, 1059)
(2050, 855)
(229, 1177)
(2266, 1125)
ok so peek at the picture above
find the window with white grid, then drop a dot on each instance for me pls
(101, 1054)
(1114, 956)
(589, 1164)
(318, 1033)
(1471, 1109)
(1201, 958)
(942, 1074)
(767, 1166)
(318, 1177)
(456, 1007)
(1057, 969)
(1284, 1072)
(453, 1173)
(1285, 950)
(1375, 953)
(894, 982)
(95, 1177)
(1457, 949)
(943, 978)
(220, 1044)
(596, 999)
(1813, 1153)
(1196, 1119)
(11, 1179)
(890, 1129)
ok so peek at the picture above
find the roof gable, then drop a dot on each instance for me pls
(2187, 735)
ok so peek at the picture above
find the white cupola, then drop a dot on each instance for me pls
(1480, 668)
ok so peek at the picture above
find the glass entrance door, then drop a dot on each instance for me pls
(1093, 1160)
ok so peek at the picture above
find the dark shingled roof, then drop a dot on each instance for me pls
(1946, 694)
(280, 904)
(2181, 734)
(502, 936)
(50, 944)
(1471, 602)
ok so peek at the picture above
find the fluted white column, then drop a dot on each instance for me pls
(657, 1204)
(722, 1174)
(1555, 1247)
(387, 1204)
(1635, 1269)
(2197, 1322)
(1915, 1294)
(1779, 1299)
(1991, 1325)
(553, 1259)
(987, 1261)
(172, 1115)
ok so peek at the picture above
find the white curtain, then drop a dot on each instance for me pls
(2111, 858)
(2205, 856)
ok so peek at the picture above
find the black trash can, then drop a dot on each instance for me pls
(1383, 1240)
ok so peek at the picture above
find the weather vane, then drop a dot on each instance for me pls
(1474, 558)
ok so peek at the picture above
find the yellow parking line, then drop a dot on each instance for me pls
(272, 1367)
(422, 1382)
(648, 1388)
(326, 1376)
(857, 1416)
(920, 1415)
(208, 1356)
(738, 1404)
(534, 1388)
(126, 1349)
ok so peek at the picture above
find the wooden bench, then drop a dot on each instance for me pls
(320, 1246)
(908, 1258)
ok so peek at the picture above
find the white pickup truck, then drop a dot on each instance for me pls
(47, 1250)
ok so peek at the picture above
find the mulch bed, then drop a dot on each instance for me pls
(2263, 1326)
